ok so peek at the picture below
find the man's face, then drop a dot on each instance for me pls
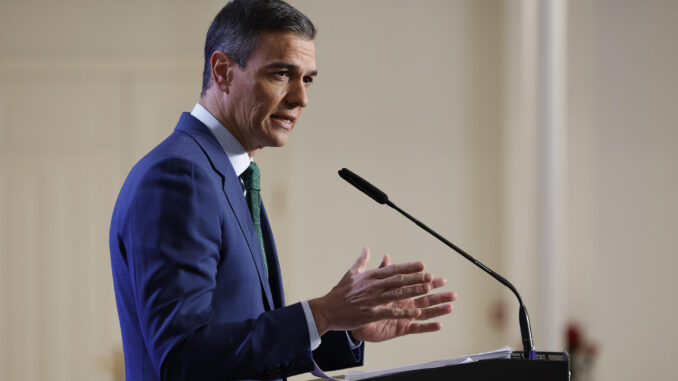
(265, 98)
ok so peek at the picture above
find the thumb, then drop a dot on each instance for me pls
(361, 262)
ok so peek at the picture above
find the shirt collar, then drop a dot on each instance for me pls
(237, 155)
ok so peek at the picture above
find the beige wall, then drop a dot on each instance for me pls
(409, 98)
(623, 149)
(414, 96)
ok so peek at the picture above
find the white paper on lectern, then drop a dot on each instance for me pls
(319, 373)
(501, 353)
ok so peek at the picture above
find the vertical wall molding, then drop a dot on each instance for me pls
(551, 116)
(534, 165)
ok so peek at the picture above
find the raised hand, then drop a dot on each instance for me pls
(431, 306)
(382, 303)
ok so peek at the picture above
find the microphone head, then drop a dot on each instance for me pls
(363, 185)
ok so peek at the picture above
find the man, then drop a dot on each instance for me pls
(195, 268)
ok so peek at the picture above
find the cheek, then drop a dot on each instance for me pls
(258, 114)
(248, 112)
(269, 96)
(259, 103)
(243, 117)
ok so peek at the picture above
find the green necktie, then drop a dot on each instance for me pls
(252, 188)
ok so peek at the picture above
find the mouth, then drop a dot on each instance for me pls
(284, 121)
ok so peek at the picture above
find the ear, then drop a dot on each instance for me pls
(222, 70)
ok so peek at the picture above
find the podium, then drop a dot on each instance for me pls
(548, 366)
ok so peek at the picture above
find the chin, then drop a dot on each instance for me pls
(280, 142)
(280, 139)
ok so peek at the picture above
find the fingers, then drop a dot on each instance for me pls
(434, 312)
(401, 268)
(383, 313)
(361, 263)
(435, 299)
(406, 280)
(439, 282)
(401, 280)
(399, 293)
(425, 302)
(423, 328)
(386, 261)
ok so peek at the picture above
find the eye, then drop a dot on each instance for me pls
(281, 74)
(308, 80)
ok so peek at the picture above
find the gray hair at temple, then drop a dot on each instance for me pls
(236, 29)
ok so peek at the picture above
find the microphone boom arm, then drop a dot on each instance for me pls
(381, 197)
(525, 328)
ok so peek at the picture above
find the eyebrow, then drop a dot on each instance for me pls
(286, 66)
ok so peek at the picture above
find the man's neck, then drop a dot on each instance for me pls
(216, 107)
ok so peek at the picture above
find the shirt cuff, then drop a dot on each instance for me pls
(312, 329)
(352, 342)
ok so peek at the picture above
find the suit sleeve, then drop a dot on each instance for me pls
(172, 234)
(335, 352)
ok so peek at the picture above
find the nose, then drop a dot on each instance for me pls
(297, 94)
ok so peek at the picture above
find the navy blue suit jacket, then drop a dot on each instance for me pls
(193, 298)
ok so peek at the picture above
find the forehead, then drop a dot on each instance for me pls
(283, 47)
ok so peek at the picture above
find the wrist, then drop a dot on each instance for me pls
(352, 336)
(319, 315)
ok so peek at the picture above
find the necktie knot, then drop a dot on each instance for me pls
(251, 178)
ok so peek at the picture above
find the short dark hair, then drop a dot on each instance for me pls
(236, 29)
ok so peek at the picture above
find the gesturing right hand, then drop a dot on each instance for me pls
(363, 297)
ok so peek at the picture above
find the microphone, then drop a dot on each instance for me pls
(381, 197)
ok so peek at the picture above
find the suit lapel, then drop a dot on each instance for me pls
(232, 190)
